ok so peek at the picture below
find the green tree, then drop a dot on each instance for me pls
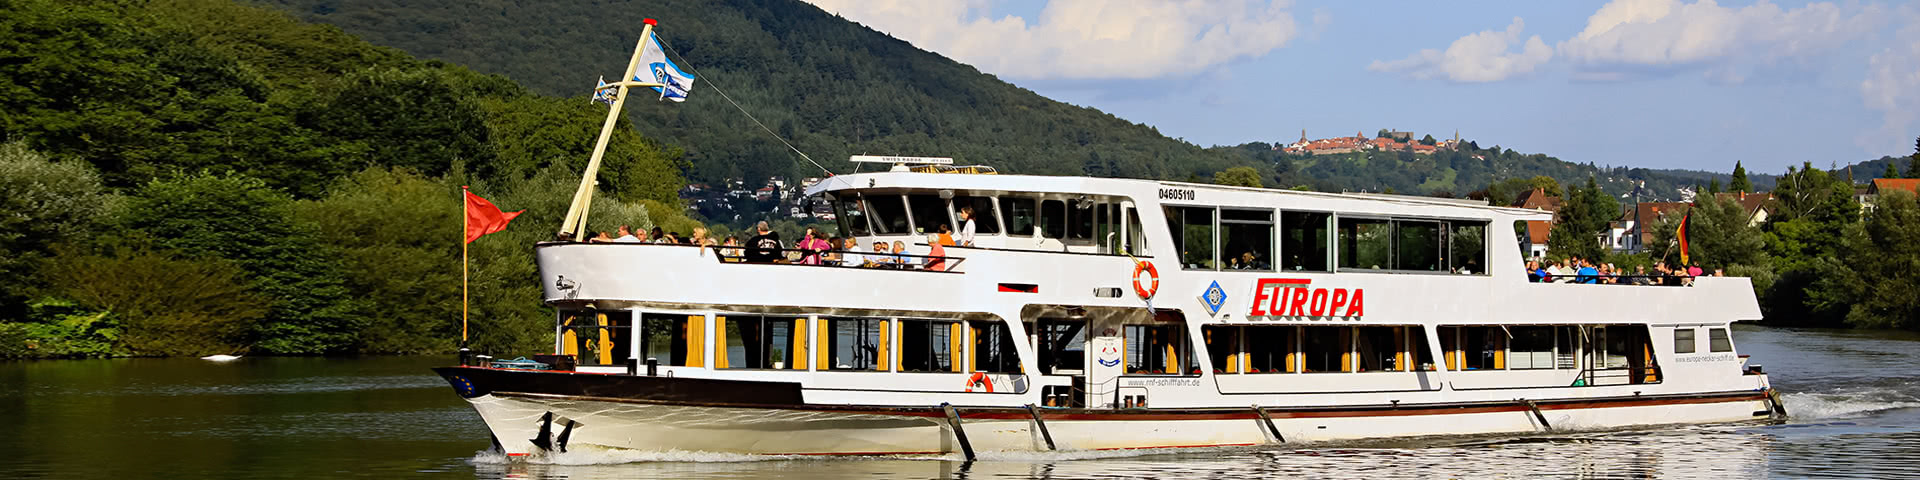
(46, 203)
(1713, 187)
(1913, 162)
(1584, 215)
(1893, 171)
(1719, 235)
(1875, 280)
(1740, 182)
(160, 303)
(383, 224)
(1812, 211)
(1238, 176)
(1428, 140)
(240, 219)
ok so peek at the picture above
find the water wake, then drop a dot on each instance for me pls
(1849, 401)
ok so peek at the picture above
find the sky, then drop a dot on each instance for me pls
(1644, 83)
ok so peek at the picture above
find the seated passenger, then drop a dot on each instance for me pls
(659, 235)
(899, 254)
(601, 238)
(812, 247)
(852, 257)
(833, 256)
(879, 257)
(700, 240)
(626, 235)
(936, 256)
(945, 236)
(731, 254)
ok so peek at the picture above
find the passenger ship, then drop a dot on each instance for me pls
(1097, 313)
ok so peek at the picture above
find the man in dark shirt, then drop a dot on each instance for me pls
(764, 247)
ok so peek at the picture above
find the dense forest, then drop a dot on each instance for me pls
(189, 177)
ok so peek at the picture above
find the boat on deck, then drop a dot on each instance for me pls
(1097, 313)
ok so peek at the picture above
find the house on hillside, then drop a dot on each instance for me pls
(1910, 185)
(1758, 206)
(1633, 232)
(1536, 234)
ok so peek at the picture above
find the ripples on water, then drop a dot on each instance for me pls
(1851, 395)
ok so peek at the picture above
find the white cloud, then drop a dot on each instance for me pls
(1725, 41)
(1892, 86)
(1083, 39)
(1480, 57)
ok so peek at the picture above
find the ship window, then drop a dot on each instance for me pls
(1137, 243)
(1080, 216)
(1248, 238)
(1417, 246)
(666, 339)
(1157, 350)
(1303, 242)
(761, 343)
(1020, 215)
(993, 348)
(1366, 243)
(857, 343)
(1270, 349)
(929, 345)
(1106, 227)
(929, 213)
(984, 221)
(1717, 340)
(1467, 247)
(1684, 341)
(1417, 348)
(1223, 348)
(1063, 345)
(597, 338)
(1381, 349)
(1053, 218)
(852, 215)
(1482, 348)
(1326, 349)
(1192, 229)
(889, 214)
(1542, 347)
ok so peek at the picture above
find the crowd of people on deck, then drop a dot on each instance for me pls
(1587, 271)
(813, 248)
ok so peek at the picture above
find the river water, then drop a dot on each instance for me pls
(1853, 398)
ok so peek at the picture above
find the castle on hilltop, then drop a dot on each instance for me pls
(1388, 140)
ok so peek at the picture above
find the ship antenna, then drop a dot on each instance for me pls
(743, 111)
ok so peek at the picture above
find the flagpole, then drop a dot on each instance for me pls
(463, 267)
(575, 225)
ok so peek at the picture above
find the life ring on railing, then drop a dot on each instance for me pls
(979, 378)
(1152, 285)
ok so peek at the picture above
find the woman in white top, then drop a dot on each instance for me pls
(966, 227)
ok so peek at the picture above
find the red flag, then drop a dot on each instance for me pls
(1681, 233)
(484, 218)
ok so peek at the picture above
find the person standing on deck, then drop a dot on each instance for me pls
(764, 247)
(937, 254)
(966, 227)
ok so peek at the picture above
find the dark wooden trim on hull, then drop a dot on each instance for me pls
(698, 392)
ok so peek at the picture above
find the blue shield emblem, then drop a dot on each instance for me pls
(1214, 298)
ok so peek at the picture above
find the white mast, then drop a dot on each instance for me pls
(576, 222)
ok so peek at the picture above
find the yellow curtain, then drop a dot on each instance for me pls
(1400, 354)
(886, 343)
(956, 339)
(1499, 347)
(1346, 350)
(720, 356)
(973, 337)
(1173, 362)
(799, 349)
(1293, 350)
(606, 340)
(1646, 350)
(820, 328)
(696, 337)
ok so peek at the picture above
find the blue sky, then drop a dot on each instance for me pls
(1652, 83)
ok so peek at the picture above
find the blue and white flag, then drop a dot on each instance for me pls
(656, 68)
(604, 94)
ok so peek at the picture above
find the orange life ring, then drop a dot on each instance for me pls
(1153, 278)
(979, 378)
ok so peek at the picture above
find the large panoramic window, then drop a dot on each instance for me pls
(984, 220)
(1467, 247)
(1020, 215)
(1379, 349)
(1192, 229)
(1062, 345)
(852, 215)
(1326, 349)
(1053, 218)
(1080, 219)
(889, 214)
(857, 344)
(1223, 347)
(993, 348)
(1270, 349)
(1366, 244)
(597, 338)
(1247, 238)
(1157, 349)
(929, 345)
(752, 341)
(1417, 246)
(672, 340)
(929, 214)
(1303, 241)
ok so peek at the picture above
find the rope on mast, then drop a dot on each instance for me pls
(736, 106)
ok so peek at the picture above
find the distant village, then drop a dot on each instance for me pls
(1386, 140)
(1631, 232)
(738, 200)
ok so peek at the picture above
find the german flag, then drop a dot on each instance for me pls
(1681, 234)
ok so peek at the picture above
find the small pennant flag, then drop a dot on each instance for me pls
(484, 218)
(603, 93)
